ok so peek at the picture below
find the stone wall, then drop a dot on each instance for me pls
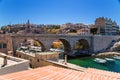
(37, 60)
(102, 42)
(14, 68)
(20, 65)
(3, 50)
(32, 59)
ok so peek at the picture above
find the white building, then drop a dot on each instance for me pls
(106, 26)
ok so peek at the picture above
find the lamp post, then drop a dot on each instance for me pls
(65, 59)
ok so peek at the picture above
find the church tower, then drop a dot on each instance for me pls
(28, 27)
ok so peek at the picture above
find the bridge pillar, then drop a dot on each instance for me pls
(91, 44)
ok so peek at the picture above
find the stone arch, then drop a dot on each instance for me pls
(42, 45)
(30, 41)
(66, 44)
(82, 44)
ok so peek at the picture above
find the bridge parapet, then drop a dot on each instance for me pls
(52, 35)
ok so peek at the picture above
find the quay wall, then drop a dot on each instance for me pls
(102, 42)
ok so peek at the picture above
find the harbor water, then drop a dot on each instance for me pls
(89, 62)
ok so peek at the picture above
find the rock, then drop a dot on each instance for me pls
(116, 47)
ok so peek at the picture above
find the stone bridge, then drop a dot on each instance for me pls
(47, 39)
(93, 43)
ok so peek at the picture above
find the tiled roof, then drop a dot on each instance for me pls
(57, 73)
(103, 73)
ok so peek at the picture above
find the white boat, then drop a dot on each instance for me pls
(24, 47)
(52, 49)
(109, 59)
(35, 48)
(98, 60)
(57, 50)
(117, 57)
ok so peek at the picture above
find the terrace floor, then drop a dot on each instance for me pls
(9, 62)
(57, 73)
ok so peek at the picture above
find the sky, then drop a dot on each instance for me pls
(57, 11)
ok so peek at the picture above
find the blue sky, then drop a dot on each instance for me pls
(57, 11)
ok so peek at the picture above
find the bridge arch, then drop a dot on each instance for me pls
(82, 44)
(41, 45)
(33, 42)
(67, 46)
(64, 44)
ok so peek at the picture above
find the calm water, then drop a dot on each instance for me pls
(88, 62)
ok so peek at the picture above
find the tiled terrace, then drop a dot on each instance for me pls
(103, 73)
(56, 73)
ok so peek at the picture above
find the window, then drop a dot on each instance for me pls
(30, 65)
(19, 56)
(0, 46)
(30, 59)
(4, 45)
(38, 60)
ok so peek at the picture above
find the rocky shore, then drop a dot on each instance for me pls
(106, 54)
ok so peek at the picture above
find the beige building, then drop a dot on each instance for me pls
(65, 28)
(9, 64)
(106, 26)
(84, 31)
(5, 43)
(73, 26)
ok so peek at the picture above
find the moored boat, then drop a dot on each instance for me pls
(99, 60)
(117, 57)
(109, 59)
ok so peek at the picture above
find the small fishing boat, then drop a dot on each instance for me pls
(99, 60)
(117, 57)
(109, 59)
